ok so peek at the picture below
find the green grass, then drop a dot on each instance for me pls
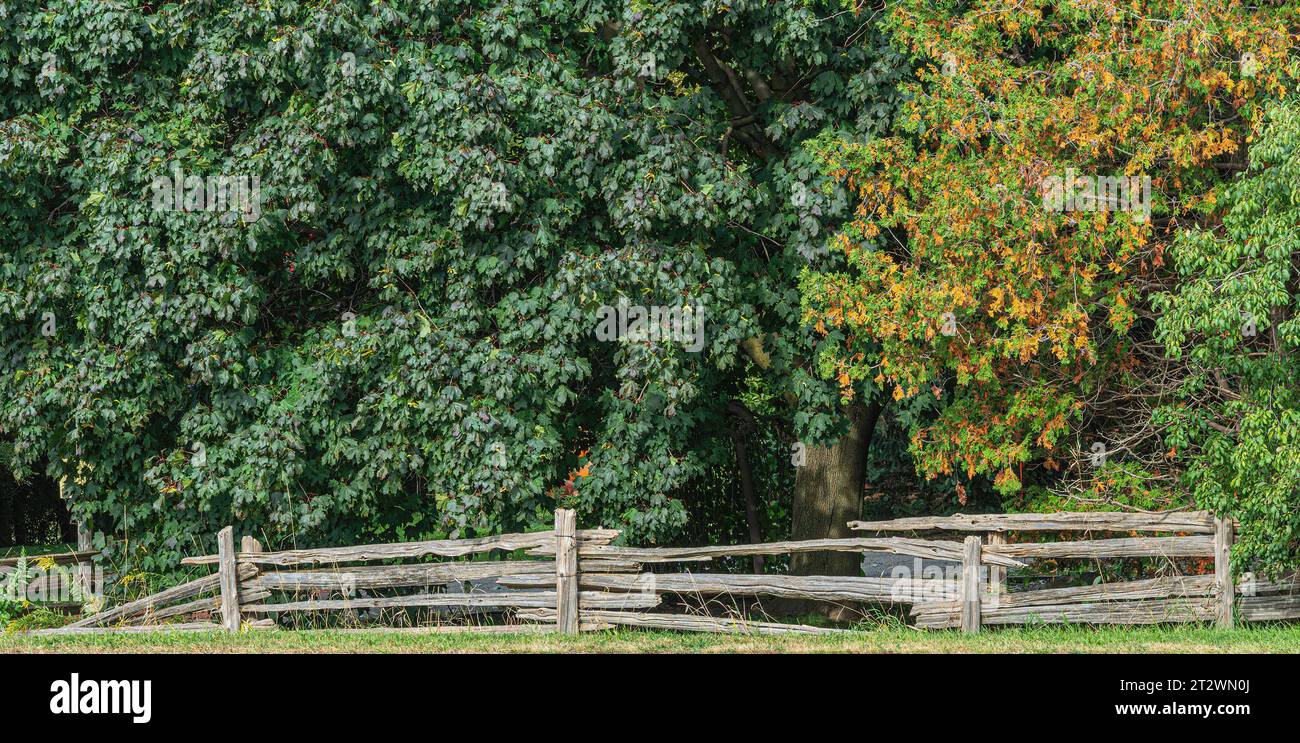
(1168, 639)
(36, 549)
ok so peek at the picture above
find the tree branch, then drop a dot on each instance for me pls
(724, 82)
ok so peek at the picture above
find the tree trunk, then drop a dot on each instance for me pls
(828, 494)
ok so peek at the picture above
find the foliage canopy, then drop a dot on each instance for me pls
(401, 343)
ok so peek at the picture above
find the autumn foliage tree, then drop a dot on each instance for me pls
(1028, 329)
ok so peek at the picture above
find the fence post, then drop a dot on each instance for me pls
(229, 579)
(969, 593)
(1223, 569)
(250, 544)
(566, 571)
(997, 574)
(85, 568)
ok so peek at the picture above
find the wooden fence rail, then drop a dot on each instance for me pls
(1193, 522)
(1102, 548)
(59, 558)
(408, 550)
(809, 587)
(932, 549)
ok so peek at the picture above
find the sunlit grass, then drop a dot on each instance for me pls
(882, 639)
(36, 549)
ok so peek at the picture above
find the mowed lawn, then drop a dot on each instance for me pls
(1170, 639)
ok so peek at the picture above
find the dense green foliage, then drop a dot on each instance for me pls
(1236, 417)
(399, 340)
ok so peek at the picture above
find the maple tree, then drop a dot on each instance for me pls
(1027, 330)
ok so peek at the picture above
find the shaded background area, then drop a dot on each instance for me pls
(31, 512)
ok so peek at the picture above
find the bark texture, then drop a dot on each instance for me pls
(828, 494)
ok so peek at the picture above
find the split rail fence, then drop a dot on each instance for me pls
(49, 587)
(573, 580)
(984, 600)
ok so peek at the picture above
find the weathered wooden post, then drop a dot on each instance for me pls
(566, 571)
(229, 579)
(251, 545)
(997, 574)
(1223, 537)
(969, 592)
(85, 568)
